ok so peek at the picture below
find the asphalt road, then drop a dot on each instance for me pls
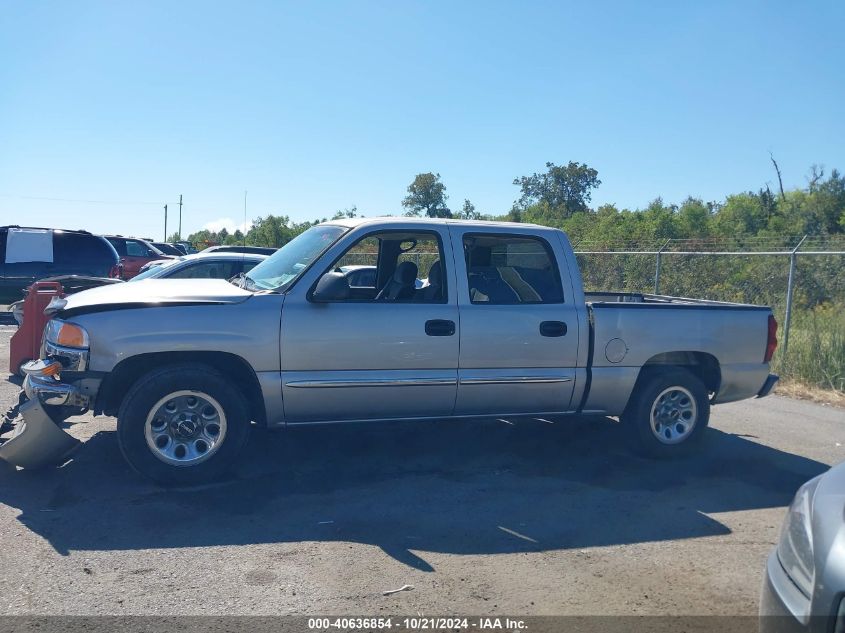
(521, 517)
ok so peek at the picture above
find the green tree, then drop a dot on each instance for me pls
(660, 219)
(272, 231)
(693, 218)
(741, 215)
(468, 212)
(427, 195)
(351, 212)
(564, 189)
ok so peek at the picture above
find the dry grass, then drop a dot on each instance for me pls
(801, 391)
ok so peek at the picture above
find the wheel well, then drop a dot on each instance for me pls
(704, 366)
(118, 382)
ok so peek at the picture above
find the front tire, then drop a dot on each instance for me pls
(668, 413)
(183, 424)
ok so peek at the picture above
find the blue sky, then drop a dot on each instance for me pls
(315, 106)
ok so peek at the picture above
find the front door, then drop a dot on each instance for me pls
(519, 333)
(387, 351)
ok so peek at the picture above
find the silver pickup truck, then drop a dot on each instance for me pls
(459, 319)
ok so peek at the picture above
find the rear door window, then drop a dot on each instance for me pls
(511, 269)
(69, 247)
(119, 245)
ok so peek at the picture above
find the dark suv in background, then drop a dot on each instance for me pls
(134, 253)
(51, 252)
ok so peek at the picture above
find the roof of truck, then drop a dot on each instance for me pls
(389, 219)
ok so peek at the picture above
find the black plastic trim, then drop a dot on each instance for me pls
(72, 312)
(590, 346)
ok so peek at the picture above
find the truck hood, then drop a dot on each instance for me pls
(151, 293)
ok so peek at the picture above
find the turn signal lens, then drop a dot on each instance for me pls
(52, 369)
(66, 334)
(42, 368)
(71, 336)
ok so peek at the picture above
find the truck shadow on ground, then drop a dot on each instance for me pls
(460, 487)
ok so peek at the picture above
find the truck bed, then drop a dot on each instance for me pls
(631, 330)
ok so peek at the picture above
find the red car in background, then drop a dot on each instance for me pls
(134, 253)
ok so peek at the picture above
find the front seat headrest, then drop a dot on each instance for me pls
(435, 274)
(405, 273)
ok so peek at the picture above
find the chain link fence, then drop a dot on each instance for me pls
(800, 278)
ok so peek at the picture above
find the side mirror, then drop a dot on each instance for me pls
(331, 287)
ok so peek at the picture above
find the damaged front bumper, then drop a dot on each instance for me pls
(38, 440)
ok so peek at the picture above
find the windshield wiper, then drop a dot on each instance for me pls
(244, 282)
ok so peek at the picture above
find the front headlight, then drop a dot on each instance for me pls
(795, 549)
(66, 334)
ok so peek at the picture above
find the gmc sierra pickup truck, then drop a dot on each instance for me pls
(463, 319)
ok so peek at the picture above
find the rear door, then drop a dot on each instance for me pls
(519, 332)
(370, 356)
(137, 254)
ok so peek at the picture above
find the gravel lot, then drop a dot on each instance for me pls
(528, 517)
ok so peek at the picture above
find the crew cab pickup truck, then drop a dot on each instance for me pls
(501, 326)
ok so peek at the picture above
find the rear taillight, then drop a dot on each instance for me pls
(772, 340)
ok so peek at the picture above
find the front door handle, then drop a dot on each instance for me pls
(553, 328)
(440, 327)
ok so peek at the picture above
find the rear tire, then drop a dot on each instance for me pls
(183, 424)
(668, 413)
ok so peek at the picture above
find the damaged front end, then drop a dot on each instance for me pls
(37, 440)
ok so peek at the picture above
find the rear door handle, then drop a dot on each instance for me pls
(553, 328)
(440, 327)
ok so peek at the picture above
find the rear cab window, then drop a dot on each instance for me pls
(511, 269)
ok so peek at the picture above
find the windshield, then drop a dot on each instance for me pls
(155, 270)
(290, 261)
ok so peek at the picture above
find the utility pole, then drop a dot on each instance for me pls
(180, 216)
(165, 223)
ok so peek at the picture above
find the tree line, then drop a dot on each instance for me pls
(560, 196)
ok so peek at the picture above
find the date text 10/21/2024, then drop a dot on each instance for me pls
(418, 623)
